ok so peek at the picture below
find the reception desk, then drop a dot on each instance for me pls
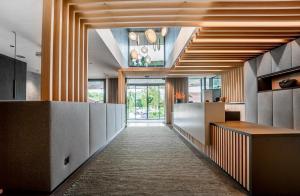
(194, 118)
(263, 159)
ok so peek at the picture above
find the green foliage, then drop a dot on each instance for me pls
(138, 101)
(96, 96)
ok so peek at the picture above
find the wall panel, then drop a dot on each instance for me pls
(283, 108)
(110, 121)
(296, 108)
(250, 71)
(265, 108)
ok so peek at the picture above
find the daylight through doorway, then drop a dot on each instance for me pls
(145, 99)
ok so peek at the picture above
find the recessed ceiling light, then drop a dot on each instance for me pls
(223, 51)
(232, 40)
(211, 61)
(205, 66)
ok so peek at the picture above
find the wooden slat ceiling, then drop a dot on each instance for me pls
(223, 48)
(229, 31)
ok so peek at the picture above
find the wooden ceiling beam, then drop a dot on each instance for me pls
(188, 13)
(204, 20)
(109, 5)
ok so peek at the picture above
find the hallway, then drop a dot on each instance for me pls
(150, 161)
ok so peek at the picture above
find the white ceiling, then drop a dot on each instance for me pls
(24, 17)
(101, 61)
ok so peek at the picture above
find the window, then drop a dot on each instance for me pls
(199, 88)
(195, 89)
(145, 99)
(216, 82)
(96, 91)
(148, 55)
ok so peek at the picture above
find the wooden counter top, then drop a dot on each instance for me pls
(256, 129)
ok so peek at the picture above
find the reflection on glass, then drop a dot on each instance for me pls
(96, 91)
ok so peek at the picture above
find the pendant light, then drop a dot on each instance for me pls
(144, 50)
(134, 54)
(148, 59)
(151, 36)
(132, 36)
(164, 31)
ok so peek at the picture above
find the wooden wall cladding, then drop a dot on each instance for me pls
(230, 150)
(233, 85)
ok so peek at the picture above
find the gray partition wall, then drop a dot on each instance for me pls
(123, 115)
(118, 117)
(110, 121)
(97, 126)
(41, 143)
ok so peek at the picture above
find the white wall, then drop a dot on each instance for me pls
(102, 62)
(181, 41)
(33, 86)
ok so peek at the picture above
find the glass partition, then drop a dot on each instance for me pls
(145, 101)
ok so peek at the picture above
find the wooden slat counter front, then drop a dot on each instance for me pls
(264, 160)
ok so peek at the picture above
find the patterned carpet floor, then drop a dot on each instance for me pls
(151, 161)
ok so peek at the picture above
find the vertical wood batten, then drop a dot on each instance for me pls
(64, 51)
(71, 54)
(57, 49)
(76, 59)
(47, 50)
(81, 62)
(229, 150)
(85, 63)
(233, 85)
(121, 87)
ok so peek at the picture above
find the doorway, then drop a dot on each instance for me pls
(145, 99)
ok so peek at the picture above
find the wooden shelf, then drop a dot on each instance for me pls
(270, 82)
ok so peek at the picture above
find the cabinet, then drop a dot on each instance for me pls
(7, 74)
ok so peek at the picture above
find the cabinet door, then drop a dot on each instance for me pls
(265, 108)
(296, 108)
(21, 69)
(251, 90)
(283, 108)
(6, 78)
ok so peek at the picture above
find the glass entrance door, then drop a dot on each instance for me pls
(146, 102)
